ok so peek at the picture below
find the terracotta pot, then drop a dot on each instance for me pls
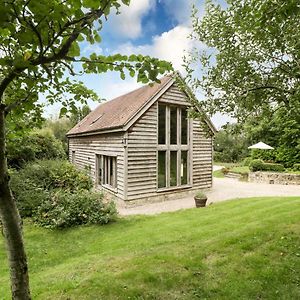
(200, 201)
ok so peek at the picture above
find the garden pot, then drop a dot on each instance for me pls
(200, 201)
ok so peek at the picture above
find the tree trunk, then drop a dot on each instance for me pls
(11, 221)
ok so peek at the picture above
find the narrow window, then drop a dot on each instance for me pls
(173, 168)
(161, 124)
(184, 126)
(99, 168)
(109, 171)
(183, 168)
(73, 157)
(161, 169)
(173, 125)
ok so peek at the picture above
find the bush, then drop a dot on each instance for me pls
(246, 162)
(32, 147)
(256, 165)
(64, 209)
(273, 167)
(33, 185)
(296, 167)
(259, 165)
(28, 194)
(53, 174)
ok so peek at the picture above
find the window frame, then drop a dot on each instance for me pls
(168, 147)
(103, 163)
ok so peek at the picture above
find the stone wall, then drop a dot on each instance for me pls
(274, 178)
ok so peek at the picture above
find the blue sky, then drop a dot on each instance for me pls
(158, 28)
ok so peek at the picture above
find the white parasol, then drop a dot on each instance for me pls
(261, 145)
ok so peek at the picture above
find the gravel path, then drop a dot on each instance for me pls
(223, 189)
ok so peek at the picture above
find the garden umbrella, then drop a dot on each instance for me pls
(260, 145)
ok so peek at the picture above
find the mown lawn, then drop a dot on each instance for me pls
(241, 249)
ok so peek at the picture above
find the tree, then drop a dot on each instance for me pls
(39, 46)
(230, 144)
(79, 114)
(250, 62)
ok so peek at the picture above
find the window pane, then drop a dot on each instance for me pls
(184, 126)
(183, 168)
(111, 169)
(161, 124)
(173, 125)
(173, 168)
(161, 169)
(99, 169)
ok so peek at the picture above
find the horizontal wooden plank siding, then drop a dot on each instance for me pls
(142, 145)
(175, 96)
(202, 157)
(142, 151)
(86, 149)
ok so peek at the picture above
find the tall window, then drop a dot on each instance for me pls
(73, 157)
(173, 146)
(107, 171)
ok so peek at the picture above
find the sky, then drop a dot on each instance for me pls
(158, 28)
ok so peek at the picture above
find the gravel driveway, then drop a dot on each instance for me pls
(223, 189)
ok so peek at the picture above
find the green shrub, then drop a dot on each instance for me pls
(27, 194)
(33, 185)
(64, 209)
(296, 167)
(32, 147)
(259, 165)
(53, 174)
(273, 167)
(246, 161)
(265, 155)
(256, 165)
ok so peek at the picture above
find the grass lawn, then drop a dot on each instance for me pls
(218, 174)
(241, 249)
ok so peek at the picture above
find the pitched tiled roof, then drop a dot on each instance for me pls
(117, 112)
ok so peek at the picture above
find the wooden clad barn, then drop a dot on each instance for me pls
(142, 146)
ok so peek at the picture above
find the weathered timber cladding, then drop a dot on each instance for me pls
(142, 145)
(136, 152)
(202, 157)
(86, 149)
(142, 151)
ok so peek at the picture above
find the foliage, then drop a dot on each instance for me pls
(244, 170)
(273, 167)
(259, 165)
(80, 114)
(53, 174)
(59, 128)
(201, 195)
(27, 193)
(65, 209)
(251, 65)
(230, 145)
(35, 145)
(296, 167)
(40, 46)
(256, 165)
(215, 253)
(34, 184)
(278, 131)
(265, 155)
(246, 161)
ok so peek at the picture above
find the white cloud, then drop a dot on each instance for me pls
(170, 46)
(129, 23)
(91, 48)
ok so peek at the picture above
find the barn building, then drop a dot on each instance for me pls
(142, 146)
